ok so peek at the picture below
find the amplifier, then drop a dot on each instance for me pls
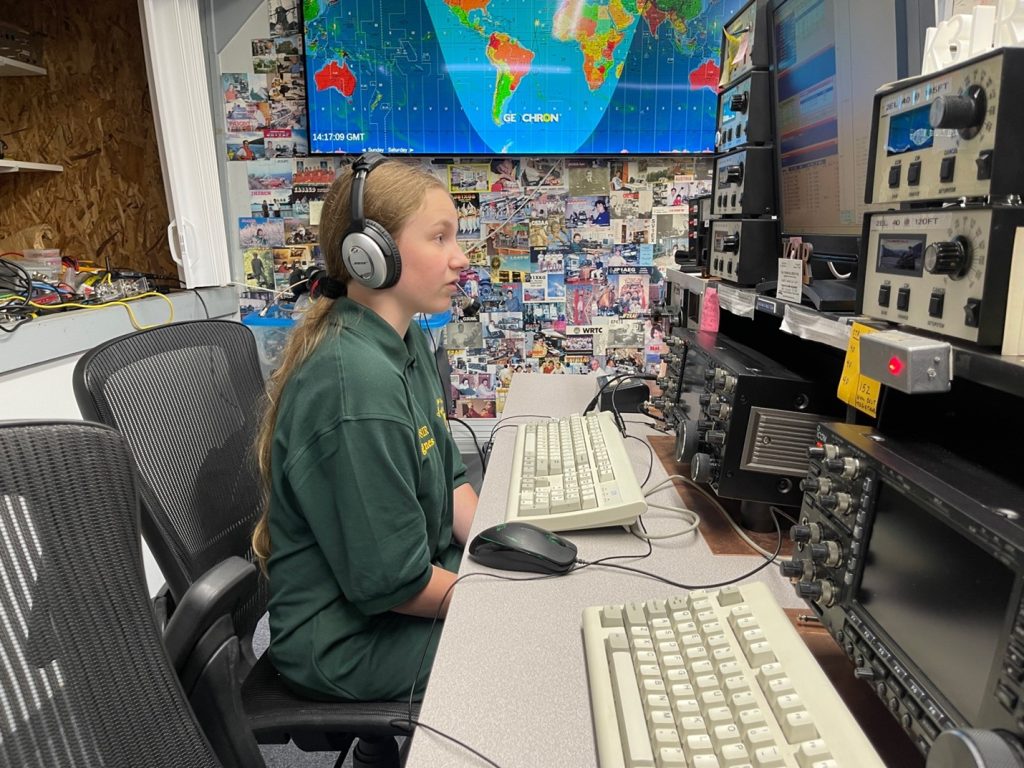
(756, 418)
(744, 183)
(945, 270)
(950, 134)
(745, 42)
(744, 251)
(914, 561)
(744, 113)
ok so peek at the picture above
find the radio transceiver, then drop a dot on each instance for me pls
(744, 183)
(744, 251)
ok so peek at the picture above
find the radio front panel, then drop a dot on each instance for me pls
(744, 113)
(745, 42)
(950, 134)
(744, 183)
(944, 270)
(744, 251)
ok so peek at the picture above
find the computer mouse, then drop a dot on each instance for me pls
(522, 547)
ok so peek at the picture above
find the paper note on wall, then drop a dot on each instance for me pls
(790, 284)
(854, 388)
(315, 207)
(709, 310)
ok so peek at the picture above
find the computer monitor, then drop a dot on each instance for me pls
(828, 57)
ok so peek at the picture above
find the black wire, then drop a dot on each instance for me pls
(394, 723)
(682, 372)
(650, 467)
(489, 445)
(768, 561)
(472, 433)
(199, 296)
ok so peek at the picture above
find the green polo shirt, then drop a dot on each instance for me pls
(362, 473)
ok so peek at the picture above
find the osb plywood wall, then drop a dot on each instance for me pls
(91, 113)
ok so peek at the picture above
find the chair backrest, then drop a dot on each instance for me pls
(187, 397)
(85, 679)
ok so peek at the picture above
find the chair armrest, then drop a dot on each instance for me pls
(211, 596)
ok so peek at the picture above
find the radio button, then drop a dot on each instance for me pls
(906, 721)
(1006, 697)
(914, 173)
(984, 163)
(935, 303)
(929, 728)
(894, 176)
(972, 313)
(912, 708)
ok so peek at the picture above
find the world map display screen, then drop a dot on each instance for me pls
(479, 77)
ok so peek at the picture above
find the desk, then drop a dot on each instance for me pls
(510, 677)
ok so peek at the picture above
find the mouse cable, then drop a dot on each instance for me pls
(615, 391)
(449, 419)
(472, 433)
(650, 466)
(399, 722)
(728, 518)
(767, 561)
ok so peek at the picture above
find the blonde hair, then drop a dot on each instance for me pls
(392, 194)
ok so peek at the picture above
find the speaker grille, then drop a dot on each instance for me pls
(777, 441)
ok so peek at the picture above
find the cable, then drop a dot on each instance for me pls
(202, 301)
(650, 466)
(472, 433)
(768, 561)
(119, 302)
(419, 724)
(836, 273)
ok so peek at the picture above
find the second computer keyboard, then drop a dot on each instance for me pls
(573, 473)
(713, 680)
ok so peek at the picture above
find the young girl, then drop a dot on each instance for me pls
(368, 506)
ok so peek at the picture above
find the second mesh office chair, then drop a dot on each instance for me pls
(188, 398)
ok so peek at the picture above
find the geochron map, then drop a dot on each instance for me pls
(462, 77)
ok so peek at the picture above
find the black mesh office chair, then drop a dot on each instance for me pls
(85, 678)
(188, 398)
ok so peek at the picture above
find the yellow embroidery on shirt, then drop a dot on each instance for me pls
(423, 431)
(440, 408)
(426, 446)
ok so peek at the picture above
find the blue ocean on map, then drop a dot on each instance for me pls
(472, 77)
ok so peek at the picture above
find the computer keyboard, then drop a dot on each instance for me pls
(713, 680)
(573, 473)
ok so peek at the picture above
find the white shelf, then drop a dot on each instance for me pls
(15, 68)
(14, 166)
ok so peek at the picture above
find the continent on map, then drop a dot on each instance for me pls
(705, 76)
(333, 76)
(513, 64)
(462, 8)
(678, 13)
(598, 29)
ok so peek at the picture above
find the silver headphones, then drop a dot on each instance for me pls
(367, 249)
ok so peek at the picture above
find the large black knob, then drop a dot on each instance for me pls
(734, 174)
(810, 484)
(816, 452)
(809, 590)
(687, 441)
(738, 102)
(826, 553)
(949, 257)
(800, 533)
(704, 399)
(702, 468)
(965, 113)
(975, 748)
(720, 411)
(731, 243)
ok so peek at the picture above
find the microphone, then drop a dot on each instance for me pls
(469, 305)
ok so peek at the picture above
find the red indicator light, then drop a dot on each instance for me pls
(895, 366)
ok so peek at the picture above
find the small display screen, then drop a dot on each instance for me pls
(901, 254)
(940, 597)
(909, 131)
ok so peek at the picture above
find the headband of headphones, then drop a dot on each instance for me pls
(361, 168)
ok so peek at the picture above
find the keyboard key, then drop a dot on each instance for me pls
(671, 757)
(726, 734)
(611, 616)
(798, 726)
(628, 707)
(729, 596)
(734, 755)
(705, 761)
(665, 738)
(768, 757)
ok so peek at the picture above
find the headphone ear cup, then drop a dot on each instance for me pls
(389, 252)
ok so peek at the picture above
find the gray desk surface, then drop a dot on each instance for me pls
(510, 676)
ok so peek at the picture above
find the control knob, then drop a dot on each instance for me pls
(805, 532)
(715, 437)
(703, 468)
(816, 452)
(948, 257)
(848, 468)
(704, 398)
(731, 243)
(720, 411)
(976, 748)
(793, 569)
(734, 174)
(816, 485)
(965, 113)
(837, 502)
(822, 592)
(826, 553)
(738, 102)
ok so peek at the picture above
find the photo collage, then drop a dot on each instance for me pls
(566, 254)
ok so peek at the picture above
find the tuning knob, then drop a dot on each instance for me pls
(816, 485)
(965, 113)
(731, 243)
(702, 468)
(822, 592)
(687, 441)
(848, 468)
(949, 257)
(734, 174)
(816, 452)
(792, 569)
(976, 748)
(738, 102)
(720, 411)
(826, 553)
(803, 533)
(837, 502)
(705, 398)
